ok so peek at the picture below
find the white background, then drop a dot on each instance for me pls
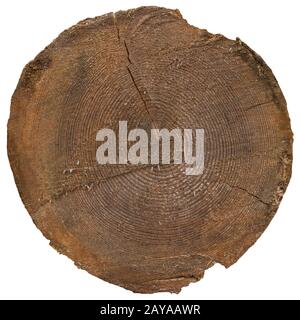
(31, 269)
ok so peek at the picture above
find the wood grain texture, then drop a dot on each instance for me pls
(148, 228)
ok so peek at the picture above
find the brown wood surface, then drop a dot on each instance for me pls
(143, 227)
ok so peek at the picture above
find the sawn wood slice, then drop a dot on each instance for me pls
(149, 228)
